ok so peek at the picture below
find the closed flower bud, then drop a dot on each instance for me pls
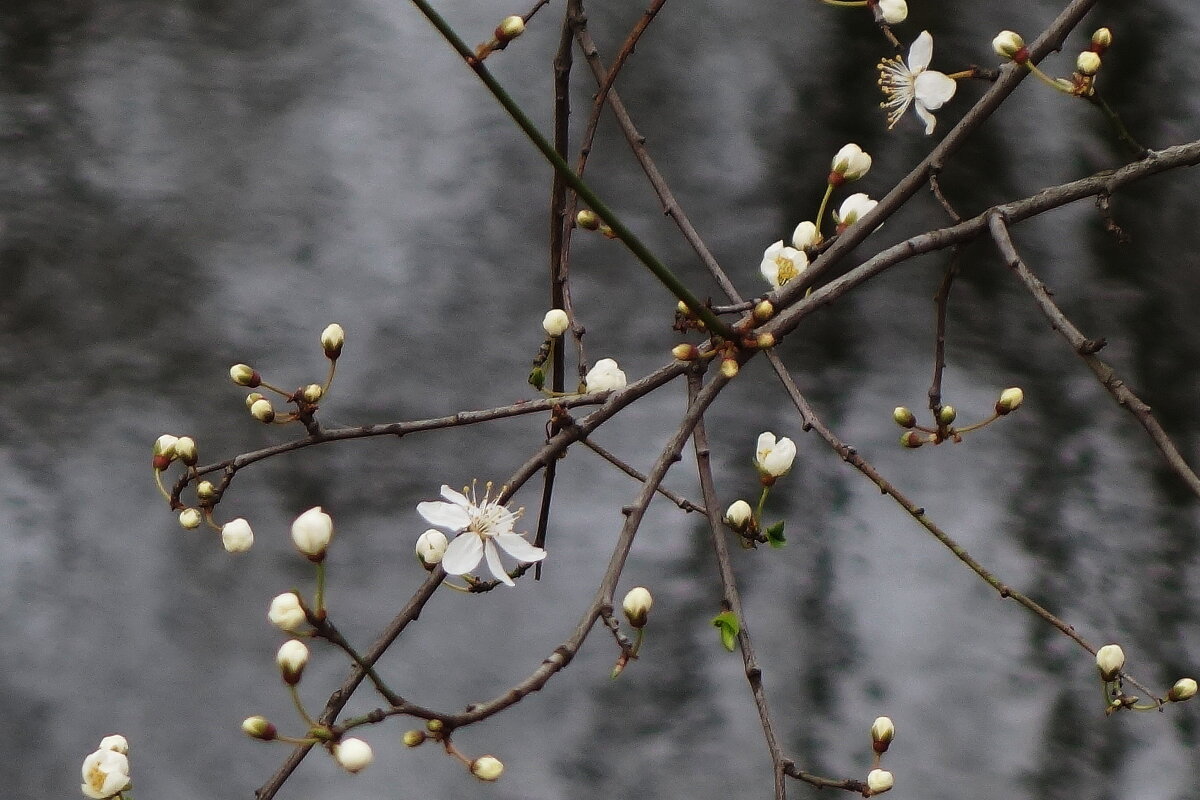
(164, 451)
(253, 398)
(946, 415)
(510, 28)
(413, 738)
(236, 536)
(729, 367)
(1102, 39)
(879, 781)
(764, 341)
(764, 311)
(806, 234)
(287, 613)
(190, 518)
(882, 733)
(1088, 63)
(685, 352)
(353, 755)
(105, 774)
(588, 220)
(854, 208)
(738, 515)
(259, 727)
(487, 768)
(773, 458)
(850, 164)
(292, 658)
(903, 417)
(119, 744)
(911, 439)
(605, 376)
(1109, 660)
(636, 606)
(1010, 400)
(261, 410)
(311, 533)
(313, 393)
(431, 546)
(1009, 44)
(245, 375)
(185, 450)
(332, 339)
(893, 11)
(555, 323)
(434, 725)
(1184, 689)
(205, 490)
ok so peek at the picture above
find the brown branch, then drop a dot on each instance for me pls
(941, 301)
(1086, 349)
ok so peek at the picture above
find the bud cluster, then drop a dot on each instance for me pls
(944, 417)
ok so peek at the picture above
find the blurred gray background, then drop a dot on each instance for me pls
(186, 185)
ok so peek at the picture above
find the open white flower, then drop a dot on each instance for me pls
(483, 526)
(914, 84)
(105, 774)
(781, 263)
(773, 458)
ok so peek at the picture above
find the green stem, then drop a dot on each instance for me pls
(308, 720)
(1134, 146)
(821, 210)
(1046, 79)
(319, 599)
(643, 254)
(762, 502)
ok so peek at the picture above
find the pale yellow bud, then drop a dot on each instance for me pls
(1008, 44)
(245, 375)
(636, 606)
(487, 768)
(1088, 63)
(729, 367)
(313, 392)
(510, 28)
(1010, 400)
(261, 410)
(190, 518)
(764, 311)
(1109, 660)
(1184, 689)
(588, 220)
(332, 339)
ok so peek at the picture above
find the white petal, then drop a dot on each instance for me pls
(463, 554)
(926, 117)
(920, 53)
(458, 498)
(493, 562)
(444, 515)
(518, 548)
(934, 88)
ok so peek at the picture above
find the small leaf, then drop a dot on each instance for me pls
(729, 626)
(775, 535)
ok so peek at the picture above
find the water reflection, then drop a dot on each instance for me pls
(185, 185)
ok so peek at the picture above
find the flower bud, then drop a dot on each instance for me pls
(1010, 400)
(946, 415)
(261, 410)
(738, 515)
(879, 781)
(185, 450)
(1088, 63)
(313, 393)
(1109, 660)
(413, 738)
(729, 367)
(882, 733)
(1184, 689)
(588, 220)
(287, 612)
(509, 29)
(903, 417)
(292, 658)
(764, 311)
(236, 536)
(850, 164)
(105, 774)
(259, 727)
(119, 744)
(431, 546)
(1009, 44)
(353, 755)
(1102, 39)
(332, 339)
(164, 451)
(205, 490)
(190, 518)
(764, 341)
(911, 439)
(245, 375)
(253, 398)
(685, 352)
(806, 234)
(636, 606)
(434, 725)
(773, 458)
(556, 322)
(605, 376)
(311, 533)
(893, 11)
(487, 768)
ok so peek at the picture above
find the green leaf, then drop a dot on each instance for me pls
(775, 535)
(727, 623)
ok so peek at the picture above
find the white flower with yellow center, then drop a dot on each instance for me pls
(914, 84)
(484, 526)
(105, 774)
(781, 263)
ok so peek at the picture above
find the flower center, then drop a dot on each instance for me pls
(787, 269)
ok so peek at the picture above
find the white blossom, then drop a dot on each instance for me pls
(115, 742)
(854, 208)
(773, 458)
(431, 547)
(236, 536)
(353, 754)
(850, 163)
(914, 84)
(555, 323)
(893, 11)
(311, 533)
(487, 768)
(105, 774)
(605, 376)
(879, 781)
(806, 235)
(286, 613)
(484, 526)
(781, 264)
(1109, 660)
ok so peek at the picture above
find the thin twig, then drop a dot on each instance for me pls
(941, 301)
(682, 502)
